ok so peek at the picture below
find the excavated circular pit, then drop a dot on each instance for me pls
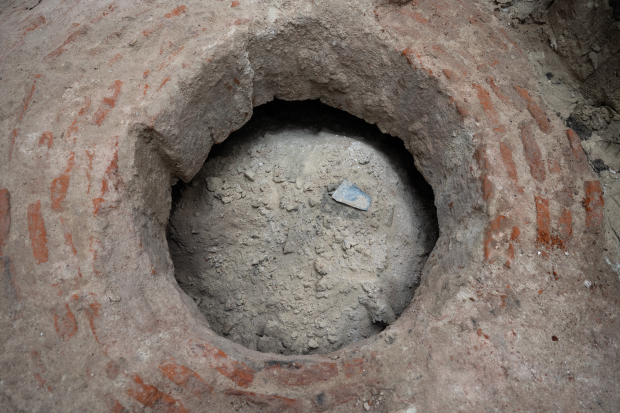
(272, 260)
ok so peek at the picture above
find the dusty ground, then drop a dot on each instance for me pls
(275, 263)
(106, 105)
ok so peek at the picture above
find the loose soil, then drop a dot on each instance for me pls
(273, 262)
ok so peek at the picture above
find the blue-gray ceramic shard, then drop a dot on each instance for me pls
(349, 194)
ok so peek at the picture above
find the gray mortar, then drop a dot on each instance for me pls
(276, 264)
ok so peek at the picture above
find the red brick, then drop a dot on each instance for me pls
(414, 15)
(535, 110)
(494, 230)
(145, 394)
(92, 312)
(72, 37)
(515, 233)
(565, 224)
(593, 203)
(28, 98)
(301, 374)
(69, 242)
(532, 154)
(498, 92)
(353, 367)
(166, 80)
(509, 162)
(543, 221)
(578, 155)
(37, 21)
(117, 407)
(554, 166)
(107, 103)
(12, 138)
(65, 324)
(483, 164)
(60, 185)
(150, 396)
(46, 139)
(90, 155)
(238, 372)
(38, 234)
(111, 180)
(487, 105)
(185, 377)
(176, 12)
(115, 59)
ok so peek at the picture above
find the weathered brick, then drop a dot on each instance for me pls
(38, 234)
(532, 154)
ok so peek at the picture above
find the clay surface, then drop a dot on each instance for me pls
(107, 105)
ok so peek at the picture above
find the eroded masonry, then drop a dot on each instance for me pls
(174, 235)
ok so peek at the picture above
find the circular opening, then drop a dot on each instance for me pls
(273, 260)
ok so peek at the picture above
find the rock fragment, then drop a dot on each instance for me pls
(250, 175)
(349, 194)
(214, 183)
(321, 267)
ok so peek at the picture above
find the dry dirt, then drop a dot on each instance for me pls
(273, 261)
